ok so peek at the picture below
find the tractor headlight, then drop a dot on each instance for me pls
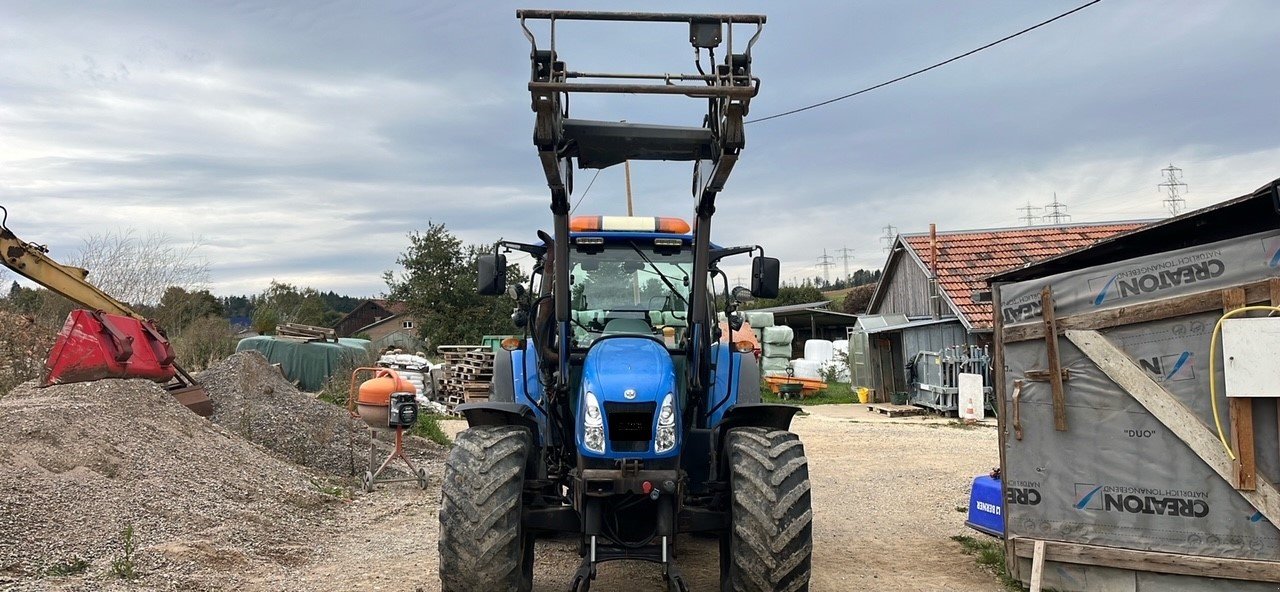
(593, 424)
(667, 415)
(591, 415)
(666, 425)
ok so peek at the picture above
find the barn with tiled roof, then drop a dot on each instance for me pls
(929, 299)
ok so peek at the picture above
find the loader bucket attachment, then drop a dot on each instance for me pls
(94, 345)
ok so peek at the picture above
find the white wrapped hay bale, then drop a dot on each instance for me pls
(775, 366)
(818, 350)
(777, 351)
(807, 369)
(780, 335)
(760, 319)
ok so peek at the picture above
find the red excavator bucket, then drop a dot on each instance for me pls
(94, 345)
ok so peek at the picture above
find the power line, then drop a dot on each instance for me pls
(1173, 184)
(923, 70)
(1056, 212)
(584, 192)
(1028, 217)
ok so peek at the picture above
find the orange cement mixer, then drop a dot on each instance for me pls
(371, 399)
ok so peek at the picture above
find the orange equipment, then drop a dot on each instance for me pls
(371, 401)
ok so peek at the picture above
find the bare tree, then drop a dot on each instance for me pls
(137, 269)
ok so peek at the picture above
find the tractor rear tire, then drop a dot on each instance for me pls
(483, 546)
(771, 544)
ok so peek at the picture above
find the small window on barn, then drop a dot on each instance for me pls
(407, 324)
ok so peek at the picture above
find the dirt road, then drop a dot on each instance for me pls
(885, 505)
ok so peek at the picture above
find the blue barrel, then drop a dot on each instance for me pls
(986, 507)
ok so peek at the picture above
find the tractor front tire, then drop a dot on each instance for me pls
(771, 544)
(483, 546)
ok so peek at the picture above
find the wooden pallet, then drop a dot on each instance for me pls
(895, 410)
(467, 375)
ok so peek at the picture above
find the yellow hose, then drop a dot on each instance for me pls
(1213, 381)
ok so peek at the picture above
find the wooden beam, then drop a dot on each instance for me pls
(1043, 375)
(1055, 363)
(1002, 420)
(1241, 415)
(1169, 411)
(1151, 561)
(1155, 310)
(1037, 566)
(1274, 287)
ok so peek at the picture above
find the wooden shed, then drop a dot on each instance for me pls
(1116, 474)
(924, 323)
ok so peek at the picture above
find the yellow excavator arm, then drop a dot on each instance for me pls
(32, 261)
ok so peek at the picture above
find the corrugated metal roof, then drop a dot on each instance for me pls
(967, 259)
(911, 324)
(820, 305)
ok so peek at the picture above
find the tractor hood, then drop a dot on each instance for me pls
(628, 370)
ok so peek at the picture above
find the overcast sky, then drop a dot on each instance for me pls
(302, 141)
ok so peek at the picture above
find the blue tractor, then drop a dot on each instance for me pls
(629, 413)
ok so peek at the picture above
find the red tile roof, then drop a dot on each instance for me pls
(395, 307)
(966, 259)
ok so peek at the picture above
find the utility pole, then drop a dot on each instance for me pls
(626, 166)
(1029, 218)
(1056, 212)
(844, 254)
(1174, 185)
(890, 233)
(825, 262)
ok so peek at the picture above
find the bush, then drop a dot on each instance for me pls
(428, 427)
(24, 347)
(204, 342)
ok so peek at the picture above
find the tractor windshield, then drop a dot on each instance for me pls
(630, 288)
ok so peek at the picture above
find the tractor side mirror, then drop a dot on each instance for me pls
(491, 274)
(764, 277)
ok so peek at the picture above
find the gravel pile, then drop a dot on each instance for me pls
(81, 462)
(252, 399)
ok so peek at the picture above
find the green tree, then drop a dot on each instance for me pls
(792, 295)
(179, 308)
(439, 285)
(285, 303)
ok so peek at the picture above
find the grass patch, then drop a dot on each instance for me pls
(123, 567)
(428, 427)
(333, 490)
(836, 393)
(989, 554)
(67, 567)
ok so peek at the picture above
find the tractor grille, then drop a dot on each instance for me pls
(630, 425)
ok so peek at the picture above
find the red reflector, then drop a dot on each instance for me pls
(646, 487)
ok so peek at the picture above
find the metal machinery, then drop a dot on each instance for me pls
(624, 417)
(935, 376)
(126, 344)
(386, 401)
